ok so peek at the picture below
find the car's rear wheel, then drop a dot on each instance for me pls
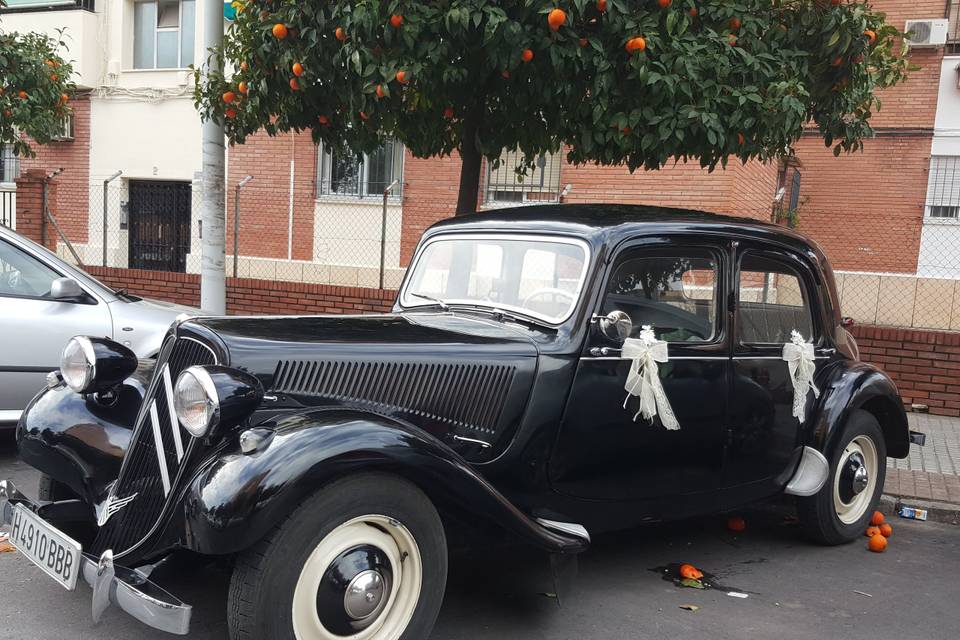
(840, 511)
(365, 558)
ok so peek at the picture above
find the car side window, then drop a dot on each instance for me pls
(672, 290)
(772, 302)
(23, 275)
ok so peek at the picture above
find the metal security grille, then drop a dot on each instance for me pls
(159, 226)
(953, 31)
(9, 164)
(943, 187)
(466, 395)
(159, 449)
(538, 184)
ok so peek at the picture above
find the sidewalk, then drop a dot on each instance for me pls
(930, 472)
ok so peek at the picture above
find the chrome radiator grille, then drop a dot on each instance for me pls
(469, 395)
(158, 448)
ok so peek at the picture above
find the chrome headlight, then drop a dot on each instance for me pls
(196, 401)
(211, 396)
(95, 364)
(78, 364)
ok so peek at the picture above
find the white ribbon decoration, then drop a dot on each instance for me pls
(643, 377)
(802, 364)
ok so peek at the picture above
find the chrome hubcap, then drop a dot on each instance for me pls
(854, 477)
(855, 480)
(364, 596)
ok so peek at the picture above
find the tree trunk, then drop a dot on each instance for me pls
(469, 192)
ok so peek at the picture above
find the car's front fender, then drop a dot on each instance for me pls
(236, 498)
(849, 386)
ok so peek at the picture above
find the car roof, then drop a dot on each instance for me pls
(606, 224)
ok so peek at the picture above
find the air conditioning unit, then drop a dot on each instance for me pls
(66, 130)
(927, 33)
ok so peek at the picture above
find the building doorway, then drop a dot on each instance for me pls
(159, 233)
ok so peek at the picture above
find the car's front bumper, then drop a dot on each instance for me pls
(129, 589)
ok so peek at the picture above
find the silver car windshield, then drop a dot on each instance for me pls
(538, 276)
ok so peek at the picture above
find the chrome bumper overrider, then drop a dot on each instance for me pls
(129, 589)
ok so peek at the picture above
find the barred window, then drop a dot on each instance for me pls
(943, 187)
(340, 174)
(540, 184)
(953, 30)
(9, 164)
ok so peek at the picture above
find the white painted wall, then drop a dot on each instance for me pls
(940, 239)
(82, 37)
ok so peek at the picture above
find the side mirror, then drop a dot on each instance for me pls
(616, 325)
(66, 289)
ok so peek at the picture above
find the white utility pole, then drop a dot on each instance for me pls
(213, 280)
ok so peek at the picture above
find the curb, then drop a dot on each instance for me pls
(945, 512)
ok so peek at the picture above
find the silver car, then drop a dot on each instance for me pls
(44, 302)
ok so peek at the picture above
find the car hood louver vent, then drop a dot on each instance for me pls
(466, 396)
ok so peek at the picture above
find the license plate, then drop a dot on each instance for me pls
(55, 553)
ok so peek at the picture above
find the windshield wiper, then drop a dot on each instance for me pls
(500, 314)
(440, 303)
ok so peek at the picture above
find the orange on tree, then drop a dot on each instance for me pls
(741, 139)
(556, 19)
(635, 44)
(64, 98)
(297, 69)
(877, 519)
(54, 77)
(663, 4)
(380, 92)
(402, 77)
(229, 96)
(732, 39)
(877, 544)
(837, 61)
(244, 66)
(886, 530)
(526, 55)
(340, 34)
(22, 94)
(602, 6)
(693, 12)
(242, 87)
(396, 21)
(871, 36)
(583, 42)
(294, 84)
(323, 119)
(280, 31)
(230, 113)
(364, 116)
(735, 23)
(448, 112)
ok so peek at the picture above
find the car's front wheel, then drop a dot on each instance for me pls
(840, 511)
(364, 558)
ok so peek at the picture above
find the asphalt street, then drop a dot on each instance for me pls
(795, 589)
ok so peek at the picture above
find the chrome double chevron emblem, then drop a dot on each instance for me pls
(166, 385)
(111, 506)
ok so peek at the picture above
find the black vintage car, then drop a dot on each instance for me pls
(547, 372)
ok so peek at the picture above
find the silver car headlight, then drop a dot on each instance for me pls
(78, 364)
(196, 401)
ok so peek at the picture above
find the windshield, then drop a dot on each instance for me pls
(537, 276)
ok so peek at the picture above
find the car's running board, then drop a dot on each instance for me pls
(811, 474)
(569, 528)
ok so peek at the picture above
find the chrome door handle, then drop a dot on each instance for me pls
(604, 351)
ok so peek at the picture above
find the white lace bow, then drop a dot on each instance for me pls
(802, 364)
(643, 377)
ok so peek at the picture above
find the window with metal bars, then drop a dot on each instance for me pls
(366, 175)
(953, 29)
(9, 164)
(506, 185)
(943, 188)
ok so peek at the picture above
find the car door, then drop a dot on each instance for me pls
(34, 327)
(674, 285)
(773, 287)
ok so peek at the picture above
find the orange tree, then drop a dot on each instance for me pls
(617, 82)
(35, 89)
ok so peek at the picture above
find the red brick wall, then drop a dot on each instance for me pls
(30, 221)
(924, 364)
(248, 296)
(265, 200)
(866, 209)
(73, 185)
(430, 190)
